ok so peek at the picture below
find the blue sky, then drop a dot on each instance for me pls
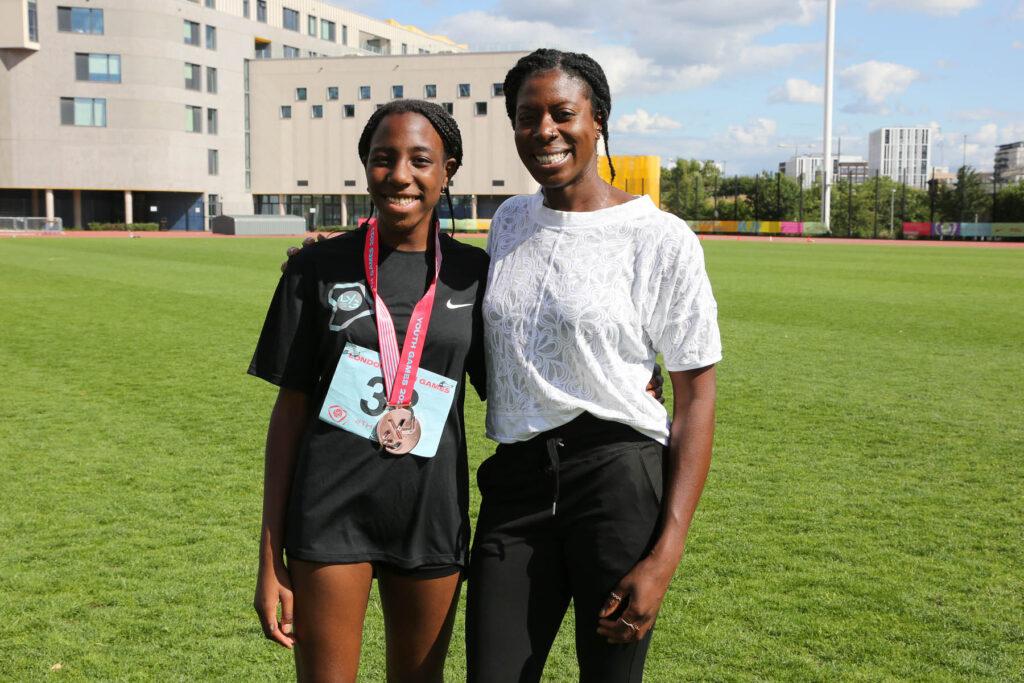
(731, 80)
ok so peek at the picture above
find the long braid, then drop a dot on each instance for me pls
(441, 120)
(575, 64)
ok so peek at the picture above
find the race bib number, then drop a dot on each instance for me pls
(356, 399)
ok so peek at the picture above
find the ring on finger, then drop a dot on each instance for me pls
(615, 596)
(634, 627)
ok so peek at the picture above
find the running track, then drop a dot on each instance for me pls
(177, 234)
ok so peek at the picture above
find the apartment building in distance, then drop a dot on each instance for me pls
(806, 168)
(1008, 165)
(902, 154)
(169, 111)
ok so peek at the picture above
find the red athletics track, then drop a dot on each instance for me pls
(181, 234)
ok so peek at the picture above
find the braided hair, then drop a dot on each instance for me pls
(574, 64)
(441, 120)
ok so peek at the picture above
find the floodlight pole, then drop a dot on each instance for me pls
(826, 171)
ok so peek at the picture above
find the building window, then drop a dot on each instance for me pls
(498, 90)
(327, 30)
(211, 121)
(497, 183)
(83, 111)
(80, 20)
(332, 92)
(291, 19)
(212, 4)
(311, 25)
(421, 51)
(405, 49)
(448, 108)
(348, 111)
(211, 37)
(211, 79)
(212, 161)
(98, 67)
(300, 94)
(464, 90)
(33, 21)
(286, 111)
(261, 10)
(192, 77)
(245, 9)
(481, 109)
(344, 34)
(291, 52)
(350, 183)
(316, 111)
(430, 91)
(193, 119)
(213, 203)
(397, 92)
(262, 50)
(364, 92)
(191, 32)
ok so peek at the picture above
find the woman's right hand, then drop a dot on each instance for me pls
(273, 588)
(292, 251)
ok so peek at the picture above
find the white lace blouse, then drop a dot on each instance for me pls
(577, 306)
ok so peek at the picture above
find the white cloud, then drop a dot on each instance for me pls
(949, 146)
(798, 90)
(942, 8)
(757, 134)
(875, 82)
(641, 122)
(626, 69)
(689, 44)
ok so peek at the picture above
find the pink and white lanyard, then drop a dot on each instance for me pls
(399, 382)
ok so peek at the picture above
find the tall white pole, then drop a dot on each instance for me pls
(826, 171)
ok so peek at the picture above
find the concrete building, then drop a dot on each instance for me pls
(903, 154)
(808, 166)
(123, 110)
(1009, 162)
(306, 117)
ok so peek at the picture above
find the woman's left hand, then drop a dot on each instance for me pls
(640, 592)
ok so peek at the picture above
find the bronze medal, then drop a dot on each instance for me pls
(398, 431)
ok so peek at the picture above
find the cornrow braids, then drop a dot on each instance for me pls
(575, 64)
(441, 120)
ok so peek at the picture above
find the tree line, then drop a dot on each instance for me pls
(697, 190)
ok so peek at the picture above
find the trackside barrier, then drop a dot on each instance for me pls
(792, 228)
(954, 230)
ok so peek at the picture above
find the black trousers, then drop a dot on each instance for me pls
(564, 517)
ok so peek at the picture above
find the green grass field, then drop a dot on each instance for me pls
(863, 519)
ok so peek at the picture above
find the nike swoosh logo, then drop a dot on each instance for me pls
(451, 305)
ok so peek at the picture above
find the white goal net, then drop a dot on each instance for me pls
(31, 224)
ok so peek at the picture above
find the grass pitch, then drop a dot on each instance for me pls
(862, 520)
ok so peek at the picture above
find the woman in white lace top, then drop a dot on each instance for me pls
(590, 494)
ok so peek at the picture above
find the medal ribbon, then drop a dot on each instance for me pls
(399, 382)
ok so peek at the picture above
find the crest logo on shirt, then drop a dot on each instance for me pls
(337, 413)
(346, 298)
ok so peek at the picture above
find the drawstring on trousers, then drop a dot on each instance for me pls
(553, 466)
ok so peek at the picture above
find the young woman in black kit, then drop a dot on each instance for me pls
(337, 506)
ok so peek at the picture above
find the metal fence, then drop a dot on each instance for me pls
(31, 223)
